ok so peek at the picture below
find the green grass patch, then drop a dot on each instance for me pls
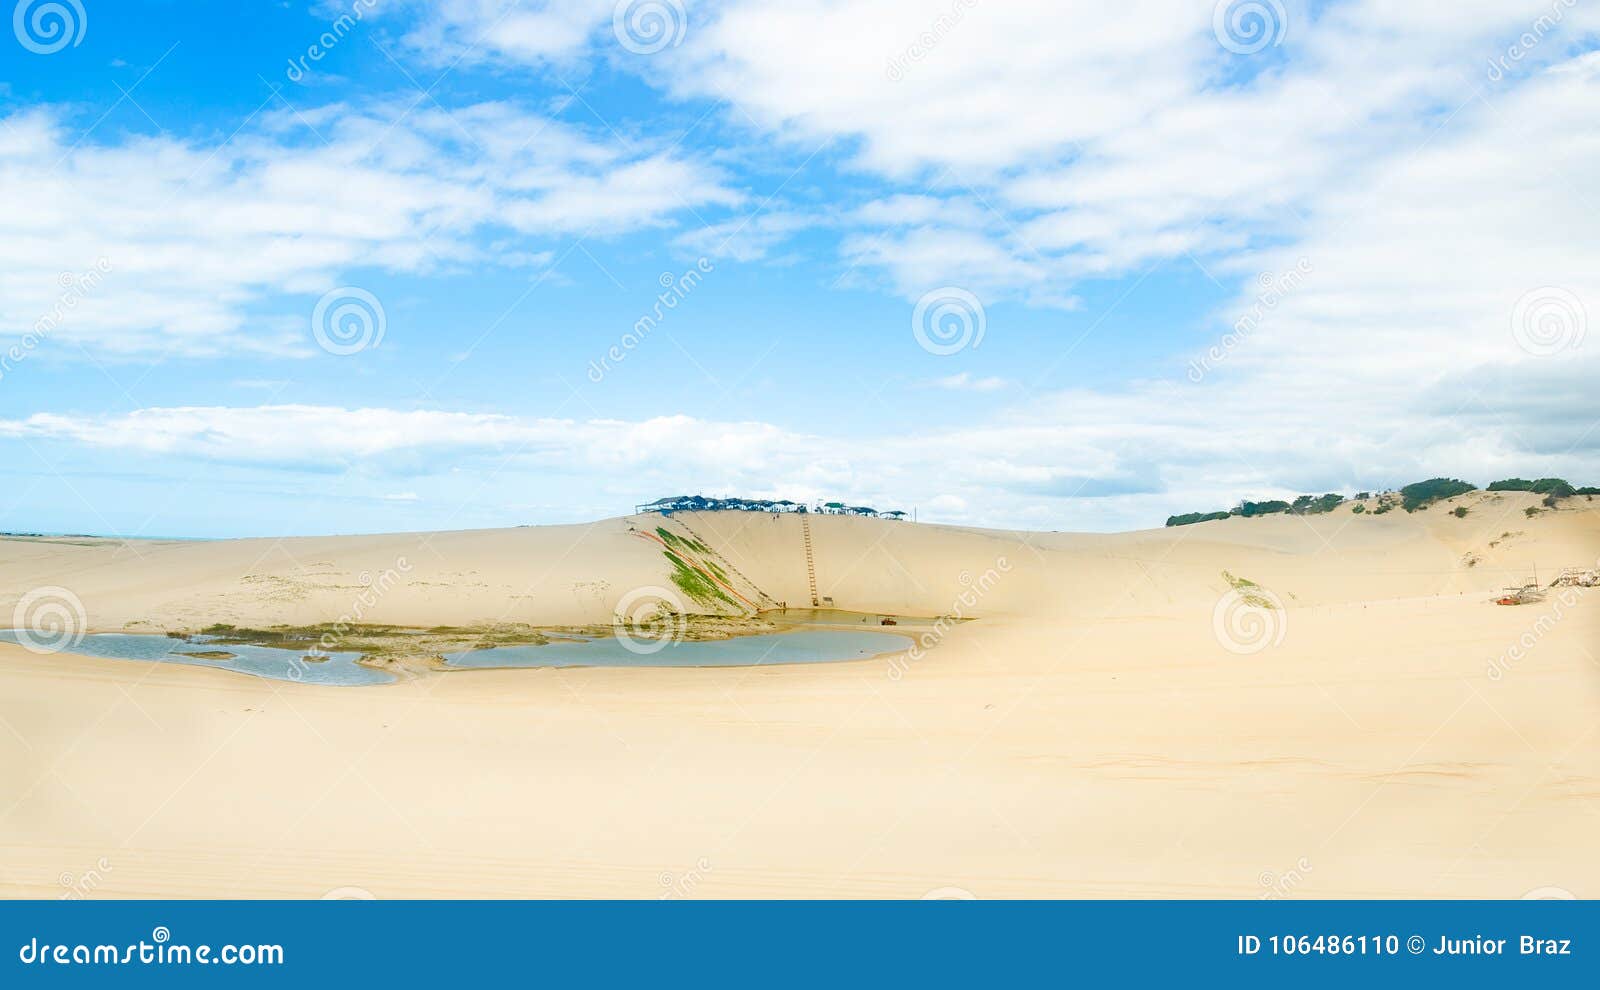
(700, 588)
(685, 542)
(1249, 592)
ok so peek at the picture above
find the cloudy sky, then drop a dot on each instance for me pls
(367, 265)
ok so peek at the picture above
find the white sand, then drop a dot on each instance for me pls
(1088, 736)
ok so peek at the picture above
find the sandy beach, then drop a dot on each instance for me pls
(1098, 730)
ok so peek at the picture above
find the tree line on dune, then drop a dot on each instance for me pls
(1411, 498)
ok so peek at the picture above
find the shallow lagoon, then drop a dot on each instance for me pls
(261, 661)
(803, 646)
(341, 669)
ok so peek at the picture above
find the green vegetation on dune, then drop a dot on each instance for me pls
(1249, 592)
(1305, 505)
(1189, 518)
(1412, 497)
(1249, 509)
(1424, 493)
(696, 579)
(1558, 487)
(685, 542)
(697, 585)
(1309, 505)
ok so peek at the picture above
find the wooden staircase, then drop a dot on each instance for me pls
(811, 559)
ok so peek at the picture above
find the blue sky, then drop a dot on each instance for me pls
(1047, 265)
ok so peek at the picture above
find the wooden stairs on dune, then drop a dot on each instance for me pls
(811, 560)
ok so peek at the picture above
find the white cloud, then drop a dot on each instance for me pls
(1096, 139)
(324, 437)
(1415, 268)
(746, 238)
(201, 241)
(1092, 460)
(1039, 142)
(993, 90)
(966, 382)
(920, 258)
(508, 30)
(912, 209)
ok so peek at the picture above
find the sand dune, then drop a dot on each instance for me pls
(1090, 734)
